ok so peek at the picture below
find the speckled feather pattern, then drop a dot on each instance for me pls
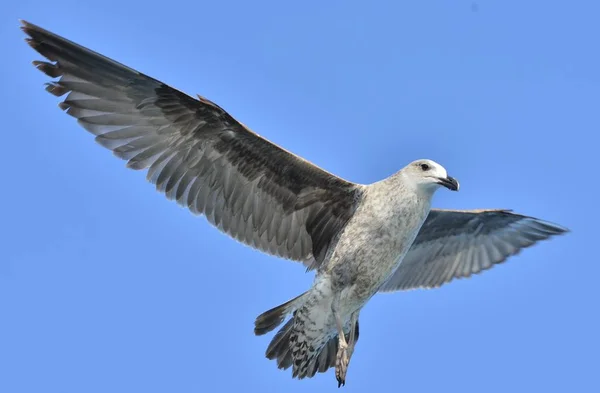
(368, 251)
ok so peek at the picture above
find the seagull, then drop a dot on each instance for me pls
(360, 239)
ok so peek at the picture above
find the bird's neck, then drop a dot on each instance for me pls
(397, 195)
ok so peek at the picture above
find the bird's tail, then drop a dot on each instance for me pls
(272, 318)
(308, 351)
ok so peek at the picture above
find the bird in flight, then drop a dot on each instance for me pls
(360, 239)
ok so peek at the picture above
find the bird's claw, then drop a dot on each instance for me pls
(341, 365)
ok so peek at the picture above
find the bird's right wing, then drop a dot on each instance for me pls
(458, 243)
(198, 155)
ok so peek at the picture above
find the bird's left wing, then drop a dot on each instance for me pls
(199, 155)
(453, 244)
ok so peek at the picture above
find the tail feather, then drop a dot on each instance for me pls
(279, 348)
(319, 360)
(326, 358)
(272, 318)
(309, 351)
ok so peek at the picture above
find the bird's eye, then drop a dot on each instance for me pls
(425, 167)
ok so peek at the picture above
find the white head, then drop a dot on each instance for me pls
(429, 176)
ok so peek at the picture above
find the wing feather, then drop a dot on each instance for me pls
(198, 155)
(454, 244)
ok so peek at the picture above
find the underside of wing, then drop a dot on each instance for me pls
(199, 155)
(454, 244)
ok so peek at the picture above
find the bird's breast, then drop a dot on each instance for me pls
(373, 245)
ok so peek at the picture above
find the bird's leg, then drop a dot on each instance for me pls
(342, 358)
(352, 340)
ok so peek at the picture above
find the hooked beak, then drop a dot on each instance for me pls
(449, 182)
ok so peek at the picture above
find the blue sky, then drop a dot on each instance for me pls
(105, 286)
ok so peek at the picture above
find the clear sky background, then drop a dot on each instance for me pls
(105, 286)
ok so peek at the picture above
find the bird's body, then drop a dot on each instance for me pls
(360, 239)
(377, 237)
(369, 248)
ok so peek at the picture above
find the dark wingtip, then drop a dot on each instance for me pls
(47, 68)
(27, 27)
(30, 30)
(31, 42)
(56, 89)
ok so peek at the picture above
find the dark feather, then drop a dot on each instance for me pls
(200, 155)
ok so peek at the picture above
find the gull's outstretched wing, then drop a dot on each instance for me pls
(453, 244)
(198, 155)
